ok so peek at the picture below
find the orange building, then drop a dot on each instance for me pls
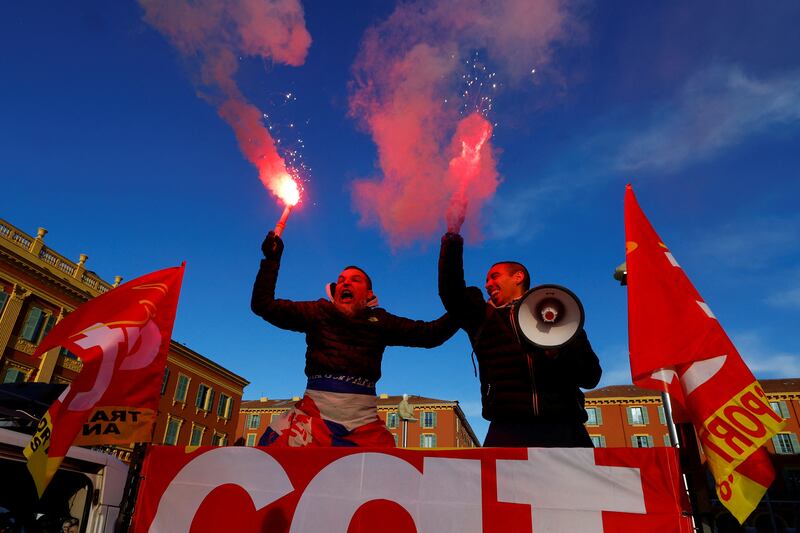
(627, 416)
(38, 287)
(438, 424)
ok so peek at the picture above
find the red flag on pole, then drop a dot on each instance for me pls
(677, 345)
(122, 338)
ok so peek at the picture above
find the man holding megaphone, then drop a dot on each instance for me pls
(533, 354)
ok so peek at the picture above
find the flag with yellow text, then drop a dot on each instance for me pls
(677, 345)
(122, 338)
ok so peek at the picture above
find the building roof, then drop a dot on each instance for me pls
(632, 391)
(384, 400)
(620, 391)
(780, 385)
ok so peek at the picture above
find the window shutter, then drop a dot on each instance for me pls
(777, 443)
(784, 411)
(599, 415)
(433, 440)
(434, 423)
(421, 440)
(602, 441)
(661, 416)
(649, 441)
(634, 442)
(3, 300)
(51, 321)
(31, 322)
(795, 444)
(210, 401)
(199, 399)
(645, 418)
(630, 415)
(667, 440)
(164, 381)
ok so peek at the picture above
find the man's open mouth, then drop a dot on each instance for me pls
(346, 296)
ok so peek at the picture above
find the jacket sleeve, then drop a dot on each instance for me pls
(464, 304)
(285, 314)
(578, 361)
(399, 331)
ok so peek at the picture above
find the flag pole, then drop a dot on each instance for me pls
(682, 437)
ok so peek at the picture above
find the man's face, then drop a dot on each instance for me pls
(502, 285)
(352, 292)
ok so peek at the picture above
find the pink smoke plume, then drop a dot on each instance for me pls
(212, 34)
(406, 71)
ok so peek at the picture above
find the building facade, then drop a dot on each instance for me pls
(627, 416)
(433, 424)
(38, 287)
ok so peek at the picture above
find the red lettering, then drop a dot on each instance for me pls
(758, 406)
(722, 429)
(758, 430)
(706, 440)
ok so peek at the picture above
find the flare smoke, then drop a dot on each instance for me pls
(406, 68)
(211, 35)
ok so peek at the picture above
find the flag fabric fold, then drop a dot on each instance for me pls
(677, 345)
(122, 338)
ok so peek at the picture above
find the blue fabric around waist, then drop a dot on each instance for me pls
(345, 384)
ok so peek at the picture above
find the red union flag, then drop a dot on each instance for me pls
(677, 345)
(361, 490)
(122, 337)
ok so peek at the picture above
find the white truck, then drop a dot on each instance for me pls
(88, 486)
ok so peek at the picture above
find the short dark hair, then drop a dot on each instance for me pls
(515, 267)
(369, 280)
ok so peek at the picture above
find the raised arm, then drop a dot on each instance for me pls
(284, 314)
(399, 331)
(465, 305)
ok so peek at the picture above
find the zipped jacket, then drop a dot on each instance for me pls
(518, 380)
(338, 344)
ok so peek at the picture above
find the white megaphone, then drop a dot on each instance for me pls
(548, 316)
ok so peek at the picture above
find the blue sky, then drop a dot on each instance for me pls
(105, 143)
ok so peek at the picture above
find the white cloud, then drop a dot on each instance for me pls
(716, 108)
(788, 298)
(752, 243)
(764, 361)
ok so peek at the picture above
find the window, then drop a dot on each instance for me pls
(219, 439)
(181, 388)
(428, 419)
(662, 417)
(427, 440)
(642, 441)
(14, 375)
(164, 381)
(780, 409)
(66, 353)
(173, 429)
(197, 435)
(395, 438)
(637, 416)
(224, 406)
(595, 416)
(253, 421)
(598, 441)
(204, 396)
(391, 420)
(667, 440)
(251, 439)
(3, 300)
(786, 444)
(38, 323)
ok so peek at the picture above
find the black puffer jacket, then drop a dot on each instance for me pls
(517, 382)
(337, 343)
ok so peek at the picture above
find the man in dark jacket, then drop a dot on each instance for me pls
(530, 396)
(345, 339)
